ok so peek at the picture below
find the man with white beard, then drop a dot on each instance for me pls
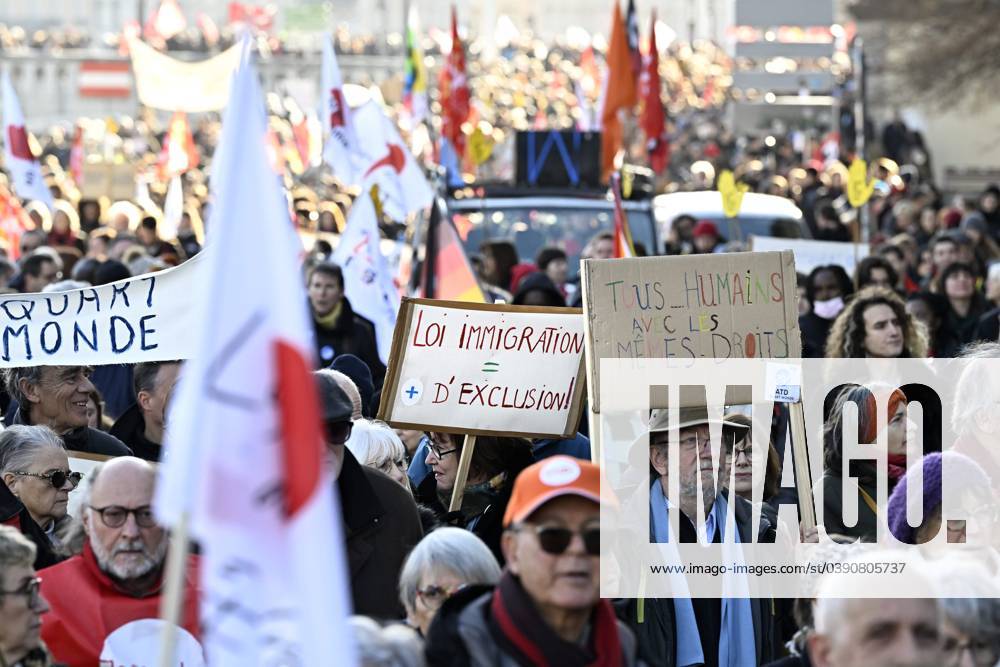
(113, 588)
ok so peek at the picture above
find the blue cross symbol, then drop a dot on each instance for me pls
(411, 392)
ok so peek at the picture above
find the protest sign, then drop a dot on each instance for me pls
(734, 305)
(809, 253)
(485, 369)
(146, 318)
(83, 463)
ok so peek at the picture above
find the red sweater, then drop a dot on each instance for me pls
(87, 607)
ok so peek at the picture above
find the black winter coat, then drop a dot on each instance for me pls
(350, 334)
(85, 439)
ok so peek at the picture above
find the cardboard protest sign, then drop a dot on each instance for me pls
(809, 253)
(146, 318)
(111, 179)
(485, 369)
(734, 305)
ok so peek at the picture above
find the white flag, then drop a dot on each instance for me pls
(173, 209)
(341, 150)
(21, 164)
(389, 164)
(244, 444)
(368, 281)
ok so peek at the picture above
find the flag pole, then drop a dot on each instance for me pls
(173, 590)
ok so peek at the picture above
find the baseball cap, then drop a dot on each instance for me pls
(548, 479)
(334, 402)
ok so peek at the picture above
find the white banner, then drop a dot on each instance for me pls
(146, 318)
(809, 253)
(485, 369)
(163, 82)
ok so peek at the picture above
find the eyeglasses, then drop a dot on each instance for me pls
(57, 478)
(437, 449)
(555, 539)
(29, 588)
(434, 596)
(983, 653)
(746, 450)
(115, 516)
(337, 433)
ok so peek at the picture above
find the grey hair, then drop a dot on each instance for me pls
(392, 646)
(20, 444)
(450, 549)
(375, 444)
(12, 380)
(972, 394)
(351, 389)
(16, 550)
(977, 612)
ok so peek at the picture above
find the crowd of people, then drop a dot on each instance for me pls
(511, 575)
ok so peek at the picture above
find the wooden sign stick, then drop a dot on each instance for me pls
(800, 456)
(463, 473)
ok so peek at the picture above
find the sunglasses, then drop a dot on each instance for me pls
(337, 433)
(57, 478)
(556, 539)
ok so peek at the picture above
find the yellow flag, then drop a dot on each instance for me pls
(732, 193)
(480, 146)
(859, 188)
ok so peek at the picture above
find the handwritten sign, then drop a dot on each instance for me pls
(146, 318)
(736, 305)
(809, 253)
(485, 369)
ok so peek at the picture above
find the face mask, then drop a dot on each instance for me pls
(829, 309)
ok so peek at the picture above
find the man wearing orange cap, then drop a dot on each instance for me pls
(547, 608)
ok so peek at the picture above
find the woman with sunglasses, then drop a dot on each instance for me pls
(21, 605)
(495, 464)
(547, 608)
(35, 469)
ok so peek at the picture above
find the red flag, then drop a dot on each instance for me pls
(178, 153)
(652, 119)
(623, 235)
(454, 92)
(14, 221)
(619, 91)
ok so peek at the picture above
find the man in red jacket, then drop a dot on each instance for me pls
(104, 600)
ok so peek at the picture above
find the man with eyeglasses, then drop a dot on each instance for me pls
(21, 605)
(380, 517)
(117, 580)
(547, 608)
(701, 631)
(56, 396)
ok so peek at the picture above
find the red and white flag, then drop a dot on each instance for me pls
(20, 162)
(77, 156)
(623, 235)
(244, 445)
(341, 150)
(389, 164)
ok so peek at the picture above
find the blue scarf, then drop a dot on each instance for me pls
(737, 646)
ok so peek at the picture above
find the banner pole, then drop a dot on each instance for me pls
(173, 590)
(463, 473)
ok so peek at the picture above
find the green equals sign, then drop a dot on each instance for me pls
(491, 367)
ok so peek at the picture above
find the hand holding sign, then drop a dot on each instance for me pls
(732, 193)
(859, 188)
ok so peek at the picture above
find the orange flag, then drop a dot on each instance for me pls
(619, 92)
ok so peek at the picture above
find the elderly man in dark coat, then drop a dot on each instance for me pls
(381, 523)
